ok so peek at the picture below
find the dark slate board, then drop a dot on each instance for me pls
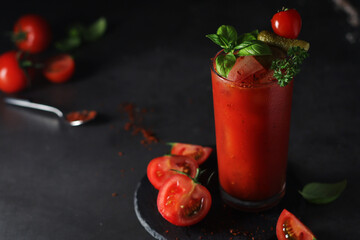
(222, 222)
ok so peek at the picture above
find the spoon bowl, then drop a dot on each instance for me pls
(76, 118)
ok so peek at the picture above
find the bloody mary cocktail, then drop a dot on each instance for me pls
(252, 122)
(252, 80)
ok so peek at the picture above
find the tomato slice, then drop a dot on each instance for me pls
(183, 202)
(160, 169)
(246, 69)
(197, 152)
(59, 69)
(289, 227)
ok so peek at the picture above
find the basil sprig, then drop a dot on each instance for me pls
(80, 33)
(235, 45)
(323, 193)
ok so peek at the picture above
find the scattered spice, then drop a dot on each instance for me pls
(120, 154)
(235, 232)
(83, 115)
(127, 126)
(135, 119)
(114, 194)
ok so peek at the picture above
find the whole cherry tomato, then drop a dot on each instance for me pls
(161, 169)
(182, 201)
(59, 69)
(12, 77)
(289, 227)
(32, 33)
(197, 152)
(287, 23)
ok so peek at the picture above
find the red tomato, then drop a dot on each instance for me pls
(183, 202)
(32, 33)
(12, 77)
(59, 69)
(159, 169)
(289, 227)
(197, 152)
(287, 23)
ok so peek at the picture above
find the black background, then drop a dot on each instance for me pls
(56, 182)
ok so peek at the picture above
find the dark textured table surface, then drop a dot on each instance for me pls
(57, 182)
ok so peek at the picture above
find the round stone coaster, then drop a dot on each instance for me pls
(222, 222)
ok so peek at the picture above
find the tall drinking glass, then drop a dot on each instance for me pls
(252, 123)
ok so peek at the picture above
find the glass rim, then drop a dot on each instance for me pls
(257, 85)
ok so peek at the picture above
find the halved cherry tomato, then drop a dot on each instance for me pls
(12, 77)
(289, 227)
(160, 169)
(32, 33)
(197, 152)
(59, 69)
(287, 23)
(183, 202)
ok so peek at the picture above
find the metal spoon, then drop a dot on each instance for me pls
(76, 118)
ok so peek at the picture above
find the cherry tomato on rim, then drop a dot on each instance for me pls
(12, 77)
(289, 227)
(197, 152)
(32, 33)
(287, 23)
(182, 201)
(160, 169)
(59, 69)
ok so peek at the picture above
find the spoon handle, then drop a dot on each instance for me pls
(28, 104)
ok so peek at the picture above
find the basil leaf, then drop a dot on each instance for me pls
(219, 40)
(95, 30)
(68, 44)
(224, 63)
(253, 48)
(228, 33)
(323, 193)
(75, 31)
(248, 36)
(215, 38)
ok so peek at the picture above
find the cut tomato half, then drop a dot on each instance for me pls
(182, 201)
(59, 69)
(197, 152)
(162, 168)
(289, 227)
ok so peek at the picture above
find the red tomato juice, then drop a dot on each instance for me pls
(252, 125)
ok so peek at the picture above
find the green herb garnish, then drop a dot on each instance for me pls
(323, 193)
(95, 30)
(80, 33)
(234, 46)
(285, 69)
(224, 63)
(195, 179)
